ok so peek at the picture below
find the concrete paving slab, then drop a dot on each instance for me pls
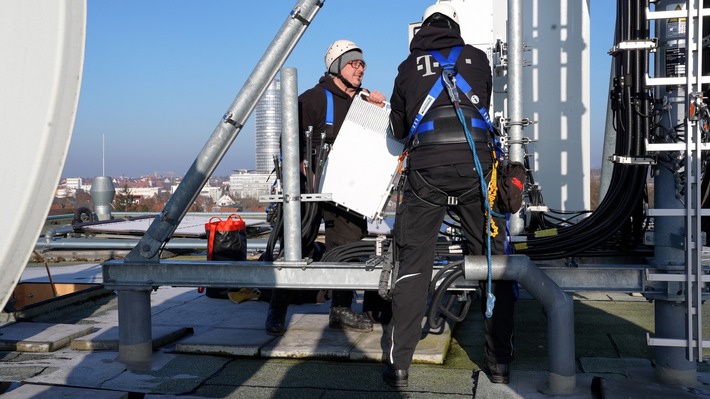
(704, 378)
(370, 346)
(169, 297)
(39, 337)
(180, 318)
(612, 365)
(15, 369)
(94, 309)
(627, 389)
(88, 369)
(246, 315)
(19, 374)
(299, 343)
(642, 374)
(608, 296)
(432, 348)
(203, 312)
(59, 392)
(310, 322)
(702, 389)
(107, 338)
(225, 341)
(605, 328)
(529, 385)
(252, 314)
(180, 375)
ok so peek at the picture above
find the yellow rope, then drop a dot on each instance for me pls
(492, 192)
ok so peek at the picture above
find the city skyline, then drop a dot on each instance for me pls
(155, 92)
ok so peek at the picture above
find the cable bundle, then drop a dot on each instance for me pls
(621, 211)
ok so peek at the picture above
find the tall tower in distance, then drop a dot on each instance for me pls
(268, 127)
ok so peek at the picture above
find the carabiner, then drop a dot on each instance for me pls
(448, 77)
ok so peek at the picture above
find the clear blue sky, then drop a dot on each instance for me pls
(159, 75)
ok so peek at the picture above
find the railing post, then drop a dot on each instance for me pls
(559, 308)
(135, 336)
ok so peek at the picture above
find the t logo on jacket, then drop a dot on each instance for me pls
(427, 64)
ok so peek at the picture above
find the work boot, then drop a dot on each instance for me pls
(346, 318)
(395, 378)
(276, 317)
(498, 373)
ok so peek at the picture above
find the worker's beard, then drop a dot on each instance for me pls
(347, 82)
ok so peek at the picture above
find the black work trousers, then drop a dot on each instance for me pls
(342, 227)
(417, 224)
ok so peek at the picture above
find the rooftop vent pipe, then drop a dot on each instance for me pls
(102, 192)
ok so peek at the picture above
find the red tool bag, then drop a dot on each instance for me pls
(226, 240)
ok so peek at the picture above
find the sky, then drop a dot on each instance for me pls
(158, 75)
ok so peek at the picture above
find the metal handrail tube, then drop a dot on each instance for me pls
(559, 309)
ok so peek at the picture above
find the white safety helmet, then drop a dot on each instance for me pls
(444, 9)
(338, 48)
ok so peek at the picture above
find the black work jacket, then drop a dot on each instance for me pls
(416, 76)
(341, 225)
(312, 106)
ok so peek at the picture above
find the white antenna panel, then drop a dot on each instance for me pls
(362, 164)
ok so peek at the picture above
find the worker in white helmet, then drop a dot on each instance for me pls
(322, 109)
(445, 169)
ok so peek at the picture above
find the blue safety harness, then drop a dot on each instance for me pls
(449, 64)
(453, 81)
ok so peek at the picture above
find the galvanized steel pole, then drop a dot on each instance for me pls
(291, 178)
(226, 131)
(135, 336)
(516, 151)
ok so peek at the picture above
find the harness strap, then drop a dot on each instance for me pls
(328, 107)
(475, 123)
(468, 91)
(450, 63)
(462, 84)
(437, 88)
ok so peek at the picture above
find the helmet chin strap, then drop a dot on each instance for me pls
(346, 82)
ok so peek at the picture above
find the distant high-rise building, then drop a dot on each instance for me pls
(268, 127)
(74, 183)
(244, 184)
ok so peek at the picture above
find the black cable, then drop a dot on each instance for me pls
(353, 251)
(619, 211)
(434, 319)
(441, 272)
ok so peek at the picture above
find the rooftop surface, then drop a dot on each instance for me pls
(206, 347)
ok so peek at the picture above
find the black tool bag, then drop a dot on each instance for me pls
(511, 184)
(226, 240)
